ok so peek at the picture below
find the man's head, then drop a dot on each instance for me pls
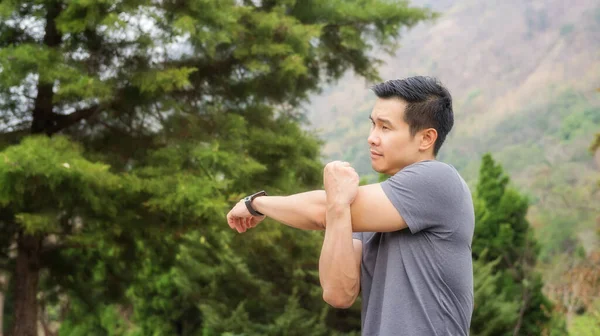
(411, 119)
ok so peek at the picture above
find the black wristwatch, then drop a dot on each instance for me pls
(248, 201)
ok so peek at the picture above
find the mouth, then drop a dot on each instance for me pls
(375, 154)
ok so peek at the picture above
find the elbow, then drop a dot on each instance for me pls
(319, 218)
(320, 222)
(319, 211)
(338, 300)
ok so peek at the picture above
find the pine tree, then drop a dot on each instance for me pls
(494, 312)
(48, 188)
(503, 237)
(169, 111)
(500, 216)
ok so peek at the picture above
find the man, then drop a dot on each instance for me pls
(406, 242)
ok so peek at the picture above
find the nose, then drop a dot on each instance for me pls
(373, 138)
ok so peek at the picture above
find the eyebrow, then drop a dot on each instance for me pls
(383, 120)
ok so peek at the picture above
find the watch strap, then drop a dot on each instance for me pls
(248, 201)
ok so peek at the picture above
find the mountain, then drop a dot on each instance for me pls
(525, 79)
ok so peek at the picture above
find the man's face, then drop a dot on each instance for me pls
(391, 145)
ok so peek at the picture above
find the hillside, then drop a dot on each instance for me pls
(524, 76)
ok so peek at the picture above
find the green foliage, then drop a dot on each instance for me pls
(161, 116)
(546, 120)
(103, 320)
(494, 312)
(557, 326)
(588, 324)
(500, 213)
(580, 122)
(503, 245)
(164, 81)
(40, 166)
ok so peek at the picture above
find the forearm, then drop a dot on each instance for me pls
(303, 211)
(338, 271)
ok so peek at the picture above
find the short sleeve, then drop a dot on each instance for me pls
(426, 195)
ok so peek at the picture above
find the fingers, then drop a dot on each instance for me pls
(341, 163)
(345, 165)
(235, 223)
(231, 220)
(241, 220)
(250, 223)
(241, 224)
(333, 165)
(246, 223)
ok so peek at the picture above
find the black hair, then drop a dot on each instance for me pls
(429, 104)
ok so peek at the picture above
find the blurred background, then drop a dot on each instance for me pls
(129, 128)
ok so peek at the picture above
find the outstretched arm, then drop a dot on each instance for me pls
(304, 211)
(371, 211)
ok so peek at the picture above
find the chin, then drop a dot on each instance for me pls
(379, 169)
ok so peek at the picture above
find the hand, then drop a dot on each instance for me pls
(240, 219)
(341, 183)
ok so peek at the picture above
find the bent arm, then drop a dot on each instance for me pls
(371, 210)
(339, 263)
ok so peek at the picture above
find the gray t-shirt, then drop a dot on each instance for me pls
(419, 281)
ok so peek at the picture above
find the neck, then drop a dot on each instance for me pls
(423, 157)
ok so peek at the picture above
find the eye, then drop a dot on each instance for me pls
(385, 127)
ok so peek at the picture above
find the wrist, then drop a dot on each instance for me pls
(337, 202)
(337, 216)
(250, 203)
(259, 204)
(337, 208)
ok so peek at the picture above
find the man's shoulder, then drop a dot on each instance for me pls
(430, 177)
(430, 165)
(430, 170)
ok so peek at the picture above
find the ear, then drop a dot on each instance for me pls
(428, 137)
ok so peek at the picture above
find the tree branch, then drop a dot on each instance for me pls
(54, 247)
(64, 121)
(526, 297)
